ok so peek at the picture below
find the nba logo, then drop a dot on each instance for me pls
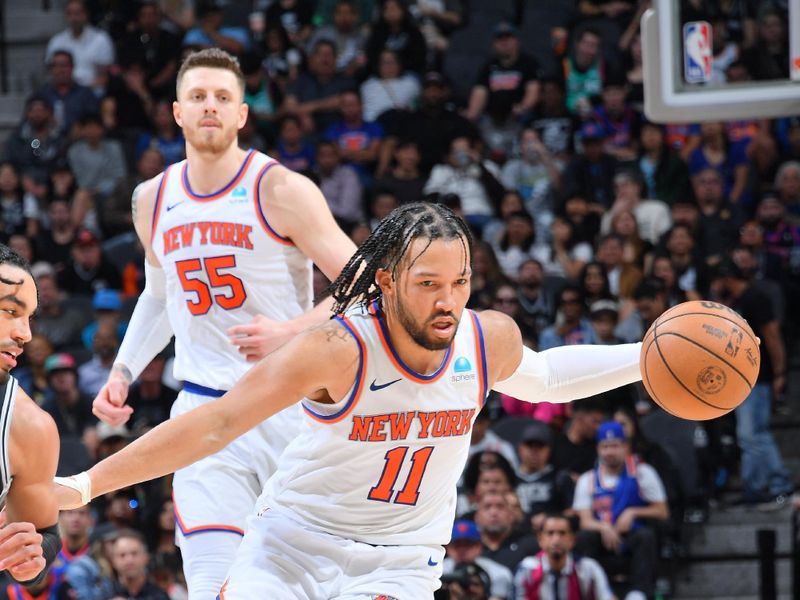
(697, 51)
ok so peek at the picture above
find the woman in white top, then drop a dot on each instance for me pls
(390, 88)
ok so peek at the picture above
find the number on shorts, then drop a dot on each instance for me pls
(394, 458)
(229, 299)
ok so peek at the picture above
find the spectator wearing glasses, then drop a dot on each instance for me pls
(571, 325)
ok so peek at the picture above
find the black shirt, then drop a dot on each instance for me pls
(506, 84)
(513, 550)
(756, 307)
(574, 458)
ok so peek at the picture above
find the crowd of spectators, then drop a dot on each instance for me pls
(589, 222)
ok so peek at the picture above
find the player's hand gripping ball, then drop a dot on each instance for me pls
(699, 360)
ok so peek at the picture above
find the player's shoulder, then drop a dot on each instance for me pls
(144, 194)
(499, 330)
(30, 421)
(332, 338)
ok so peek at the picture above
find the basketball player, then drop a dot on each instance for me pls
(364, 497)
(29, 540)
(229, 237)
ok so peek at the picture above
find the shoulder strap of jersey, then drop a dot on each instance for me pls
(162, 184)
(9, 395)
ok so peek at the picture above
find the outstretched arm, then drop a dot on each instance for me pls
(556, 375)
(320, 363)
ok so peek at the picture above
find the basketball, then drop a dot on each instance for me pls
(699, 360)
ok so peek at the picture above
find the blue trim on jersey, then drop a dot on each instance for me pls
(224, 188)
(159, 199)
(484, 384)
(399, 360)
(206, 530)
(356, 385)
(196, 388)
(261, 214)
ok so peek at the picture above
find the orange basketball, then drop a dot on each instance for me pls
(699, 360)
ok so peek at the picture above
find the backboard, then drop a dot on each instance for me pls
(683, 85)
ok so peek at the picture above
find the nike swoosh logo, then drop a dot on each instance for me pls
(431, 562)
(374, 387)
(169, 208)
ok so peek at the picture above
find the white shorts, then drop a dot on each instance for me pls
(282, 559)
(217, 493)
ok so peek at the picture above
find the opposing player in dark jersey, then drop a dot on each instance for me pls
(29, 539)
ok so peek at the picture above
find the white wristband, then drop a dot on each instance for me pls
(81, 483)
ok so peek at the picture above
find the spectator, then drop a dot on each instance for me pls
(535, 174)
(769, 57)
(590, 174)
(508, 85)
(150, 399)
(551, 121)
(19, 212)
(404, 180)
(650, 303)
(434, 125)
(556, 572)
(486, 275)
(473, 180)
(468, 581)
(57, 320)
(575, 450)
(682, 252)
(115, 213)
(71, 410)
(781, 245)
(765, 480)
(584, 72)
(501, 542)
(282, 61)
(46, 588)
(623, 277)
(93, 374)
(618, 120)
(663, 270)
(295, 17)
(506, 301)
(604, 315)
(91, 49)
(720, 219)
(154, 47)
(69, 99)
(666, 176)
(314, 96)
(614, 502)
(75, 526)
(729, 159)
(396, 30)
(359, 141)
(484, 439)
(98, 162)
(213, 33)
(292, 149)
(339, 184)
(345, 32)
(465, 547)
(536, 308)
(128, 106)
(129, 558)
(593, 282)
(787, 186)
(35, 146)
(517, 243)
(32, 377)
(88, 270)
(166, 137)
(635, 250)
(437, 20)
(652, 216)
(390, 88)
(381, 204)
(571, 326)
(540, 488)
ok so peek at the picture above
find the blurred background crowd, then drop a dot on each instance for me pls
(589, 222)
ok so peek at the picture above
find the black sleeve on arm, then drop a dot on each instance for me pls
(51, 545)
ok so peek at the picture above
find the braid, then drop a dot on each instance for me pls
(386, 246)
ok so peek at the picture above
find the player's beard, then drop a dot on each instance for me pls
(419, 333)
(210, 141)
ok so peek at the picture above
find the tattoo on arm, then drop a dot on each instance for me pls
(124, 371)
(337, 333)
(134, 201)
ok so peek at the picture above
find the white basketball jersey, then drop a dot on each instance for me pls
(224, 265)
(381, 465)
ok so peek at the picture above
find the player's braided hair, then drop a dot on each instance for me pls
(387, 245)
